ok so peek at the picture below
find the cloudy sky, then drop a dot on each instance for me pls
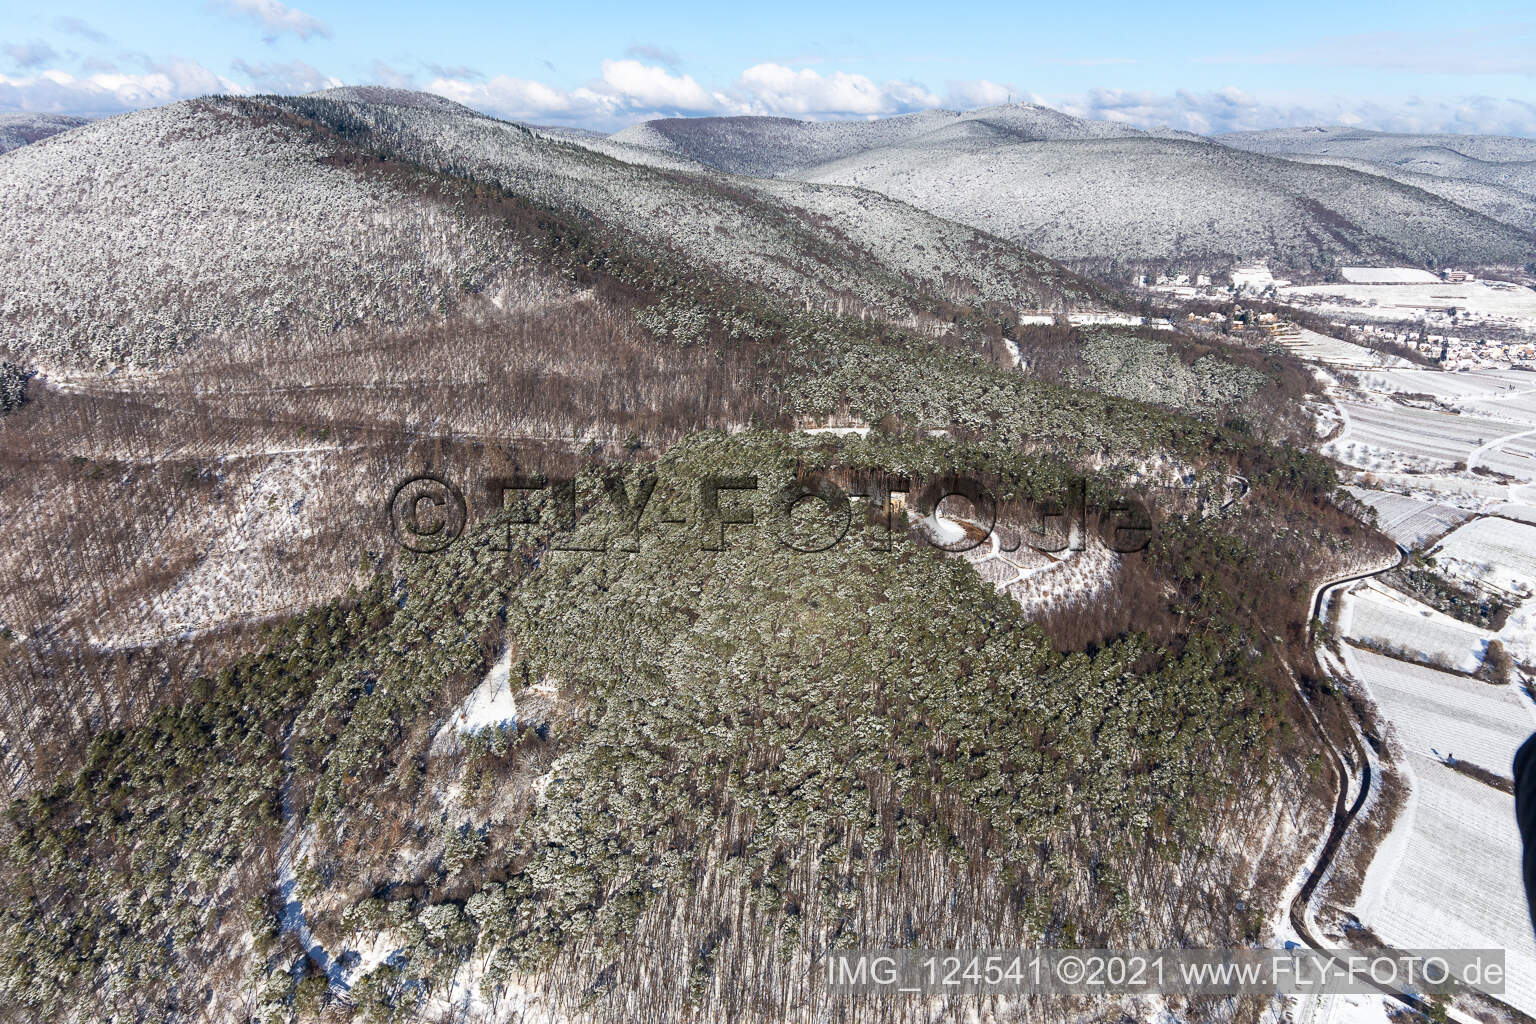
(1405, 65)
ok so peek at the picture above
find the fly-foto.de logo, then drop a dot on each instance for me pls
(805, 513)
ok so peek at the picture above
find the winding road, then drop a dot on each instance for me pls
(1345, 811)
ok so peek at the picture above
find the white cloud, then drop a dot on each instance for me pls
(524, 100)
(981, 93)
(287, 78)
(641, 86)
(1231, 109)
(276, 17)
(76, 27)
(57, 91)
(629, 90)
(775, 89)
(30, 55)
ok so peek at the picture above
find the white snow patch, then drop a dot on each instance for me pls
(489, 704)
(1387, 275)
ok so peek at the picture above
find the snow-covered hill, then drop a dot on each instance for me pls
(1096, 192)
(138, 235)
(1488, 159)
(1501, 202)
(777, 146)
(146, 233)
(743, 228)
(17, 130)
(382, 94)
(771, 146)
(1163, 199)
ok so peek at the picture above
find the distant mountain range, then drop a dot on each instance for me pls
(781, 146)
(1494, 175)
(299, 214)
(1492, 159)
(1095, 194)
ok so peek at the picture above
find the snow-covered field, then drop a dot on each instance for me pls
(488, 705)
(1485, 418)
(1516, 406)
(1325, 348)
(1408, 301)
(1456, 880)
(1379, 615)
(1340, 1010)
(1439, 715)
(1449, 873)
(1516, 510)
(1411, 521)
(1463, 490)
(1394, 437)
(1495, 552)
(1461, 390)
(1504, 391)
(1037, 580)
(1386, 275)
(1382, 435)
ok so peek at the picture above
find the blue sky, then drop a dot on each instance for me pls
(1468, 66)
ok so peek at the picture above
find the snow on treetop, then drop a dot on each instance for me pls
(392, 97)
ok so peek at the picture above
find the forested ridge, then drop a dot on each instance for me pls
(233, 714)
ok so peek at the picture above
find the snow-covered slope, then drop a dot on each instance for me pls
(143, 234)
(1501, 202)
(1380, 146)
(17, 130)
(743, 228)
(137, 235)
(392, 97)
(1489, 159)
(776, 146)
(1143, 198)
(1097, 192)
(770, 146)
